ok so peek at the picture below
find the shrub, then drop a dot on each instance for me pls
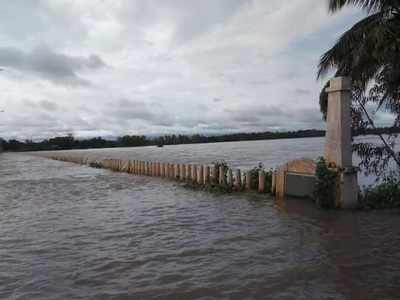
(254, 174)
(217, 164)
(324, 193)
(96, 164)
(383, 195)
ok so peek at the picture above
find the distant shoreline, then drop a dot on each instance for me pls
(71, 143)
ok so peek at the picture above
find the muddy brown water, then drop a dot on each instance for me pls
(73, 232)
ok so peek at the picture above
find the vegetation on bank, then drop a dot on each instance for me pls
(383, 195)
(69, 142)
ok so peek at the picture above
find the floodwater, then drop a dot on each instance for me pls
(73, 232)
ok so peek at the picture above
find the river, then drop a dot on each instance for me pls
(73, 232)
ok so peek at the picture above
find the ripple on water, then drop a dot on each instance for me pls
(71, 232)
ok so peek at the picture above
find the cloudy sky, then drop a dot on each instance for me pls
(113, 67)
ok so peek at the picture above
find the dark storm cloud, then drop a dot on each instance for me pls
(56, 67)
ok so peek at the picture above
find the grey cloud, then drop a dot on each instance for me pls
(274, 116)
(302, 92)
(216, 100)
(126, 110)
(189, 18)
(48, 105)
(56, 67)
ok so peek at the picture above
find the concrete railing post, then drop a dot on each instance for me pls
(206, 178)
(200, 176)
(182, 172)
(261, 182)
(176, 171)
(248, 180)
(194, 173)
(229, 178)
(188, 172)
(221, 174)
(238, 180)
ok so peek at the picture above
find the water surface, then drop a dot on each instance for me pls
(73, 232)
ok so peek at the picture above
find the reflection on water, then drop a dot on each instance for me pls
(72, 232)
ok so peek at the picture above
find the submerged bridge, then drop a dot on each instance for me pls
(294, 178)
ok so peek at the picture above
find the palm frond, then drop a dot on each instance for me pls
(368, 5)
(351, 55)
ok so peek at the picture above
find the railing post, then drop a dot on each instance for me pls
(261, 181)
(248, 180)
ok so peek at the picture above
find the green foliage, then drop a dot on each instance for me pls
(96, 164)
(383, 195)
(254, 177)
(324, 193)
(68, 142)
(369, 53)
(217, 164)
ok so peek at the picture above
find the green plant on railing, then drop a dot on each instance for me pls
(96, 164)
(383, 195)
(324, 192)
(217, 164)
(254, 177)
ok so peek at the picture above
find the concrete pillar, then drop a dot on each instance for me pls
(162, 171)
(176, 171)
(261, 182)
(213, 174)
(248, 181)
(206, 172)
(194, 173)
(237, 180)
(221, 175)
(200, 171)
(229, 178)
(182, 172)
(338, 147)
(166, 170)
(188, 172)
(273, 184)
(170, 170)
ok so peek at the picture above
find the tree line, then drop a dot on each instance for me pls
(69, 142)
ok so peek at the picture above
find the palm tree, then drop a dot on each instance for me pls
(369, 53)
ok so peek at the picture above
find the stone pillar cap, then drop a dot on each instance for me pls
(339, 84)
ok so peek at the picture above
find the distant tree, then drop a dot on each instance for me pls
(369, 53)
